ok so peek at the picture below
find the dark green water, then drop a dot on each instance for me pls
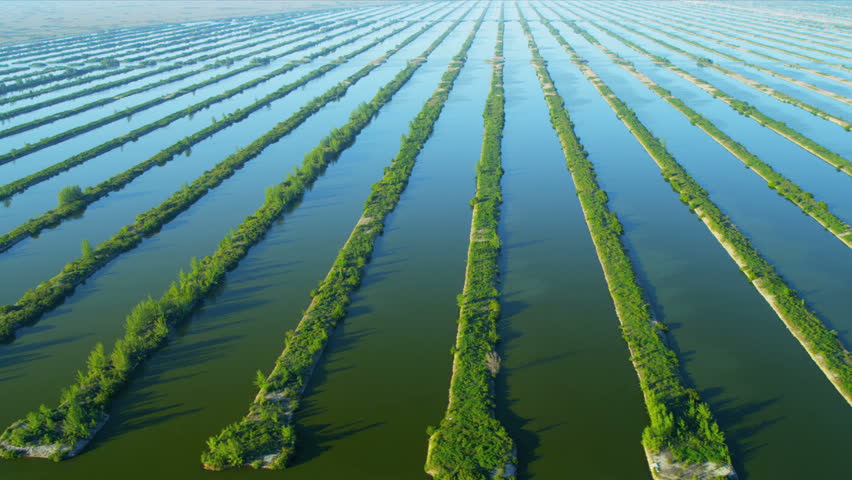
(563, 355)
(241, 328)
(567, 392)
(41, 258)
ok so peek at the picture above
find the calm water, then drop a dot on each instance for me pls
(558, 319)
(728, 347)
(567, 393)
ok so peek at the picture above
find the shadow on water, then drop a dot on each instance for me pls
(378, 277)
(143, 415)
(315, 439)
(318, 439)
(187, 355)
(742, 425)
(737, 421)
(526, 440)
(15, 354)
(540, 361)
(266, 270)
(12, 377)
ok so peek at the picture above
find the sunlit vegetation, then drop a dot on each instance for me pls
(266, 437)
(821, 342)
(83, 406)
(805, 200)
(680, 423)
(58, 138)
(470, 442)
(92, 194)
(52, 292)
(701, 42)
(113, 141)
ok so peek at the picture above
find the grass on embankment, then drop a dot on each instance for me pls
(52, 292)
(682, 427)
(822, 344)
(470, 442)
(817, 210)
(265, 437)
(64, 430)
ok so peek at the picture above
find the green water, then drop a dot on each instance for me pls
(567, 393)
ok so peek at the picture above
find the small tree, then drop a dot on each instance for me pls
(70, 194)
(86, 248)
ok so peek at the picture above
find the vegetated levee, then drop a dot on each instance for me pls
(24, 183)
(720, 29)
(470, 442)
(60, 137)
(90, 195)
(109, 59)
(818, 210)
(682, 436)
(144, 62)
(822, 344)
(778, 27)
(792, 53)
(719, 38)
(732, 21)
(122, 47)
(706, 62)
(754, 27)
(96, 88)
(739, 60)
(52, 292)
(65, 430)
(266, 437)
(21, 127)
(322, 27)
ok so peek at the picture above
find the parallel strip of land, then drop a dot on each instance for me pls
(52, 292)
(753, 66)
(23, 183)
(691, 23)
(26, 182)
(227, 61)
(822, 344)
(470, 442)
(15, 154)
(167, 68)
(71, 54)
(258, 62)
(186, 59)
(10, 52)
(742, 78)
(65, 430)
(682, 432)
(22, 127)
(265, 437)
(67, 210)
(688, 19)
(733, 37)
(799, 18)
(99, 64)
(773, 24)
(815, 209)
(756, 26)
